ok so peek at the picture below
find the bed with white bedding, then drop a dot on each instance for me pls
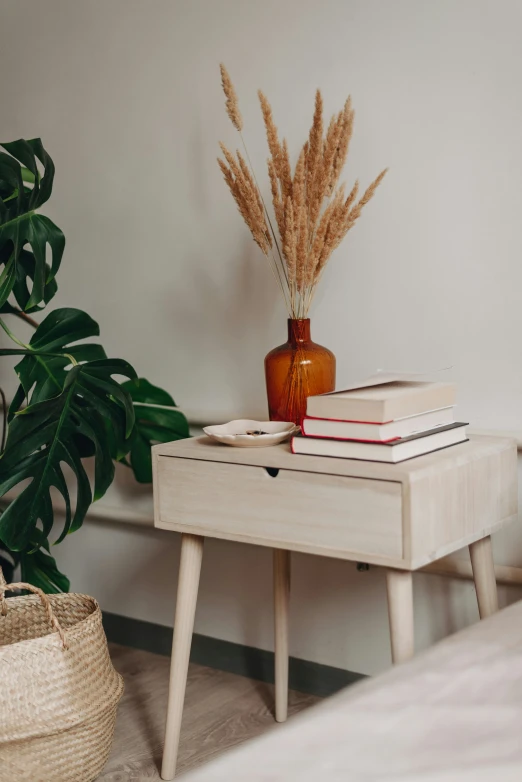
(453, 714)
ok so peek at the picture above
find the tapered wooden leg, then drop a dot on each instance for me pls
(399, 585)
(281, 610)
(188, 583)
(481, 554)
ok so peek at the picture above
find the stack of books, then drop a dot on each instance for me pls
(381, 422)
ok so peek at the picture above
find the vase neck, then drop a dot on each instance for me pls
(299, 330)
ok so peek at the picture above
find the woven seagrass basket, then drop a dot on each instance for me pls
(58, 688)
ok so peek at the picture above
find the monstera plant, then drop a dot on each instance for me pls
(72, 403)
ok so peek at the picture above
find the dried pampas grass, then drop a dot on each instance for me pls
(311, 212)
(232, 102)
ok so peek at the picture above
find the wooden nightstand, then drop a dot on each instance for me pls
(399, 516)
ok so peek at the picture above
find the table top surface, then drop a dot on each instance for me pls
(453, 714)
(281, 457)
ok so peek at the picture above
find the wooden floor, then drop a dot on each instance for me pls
(221, 710)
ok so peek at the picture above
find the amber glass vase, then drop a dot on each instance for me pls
(296, 370)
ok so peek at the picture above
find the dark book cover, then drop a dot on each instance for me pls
(419, 435)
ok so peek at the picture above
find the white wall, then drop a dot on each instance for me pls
(126, 97)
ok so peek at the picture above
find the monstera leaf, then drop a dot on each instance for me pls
(157, 421)
(25, 273)
(22, 228)
(42, 438)
(40, 569)
(42, 372)
(69, 403)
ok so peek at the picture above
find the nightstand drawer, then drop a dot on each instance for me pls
(314, 512)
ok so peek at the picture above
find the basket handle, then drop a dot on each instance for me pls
(46, 603)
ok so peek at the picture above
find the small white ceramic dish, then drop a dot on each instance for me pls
(252, 434)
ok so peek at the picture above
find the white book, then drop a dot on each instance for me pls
(397, 451)
(382, 402)
(393, 430)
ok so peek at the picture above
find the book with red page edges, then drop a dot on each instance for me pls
(377, 433)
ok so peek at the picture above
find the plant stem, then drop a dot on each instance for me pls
(12, 336)
(280, 268)
(4, 416)
(24, 316)
(28, 351)
(13, 195)
(265, 207)
(277, 276)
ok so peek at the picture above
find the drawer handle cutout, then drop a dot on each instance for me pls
(272, 471)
